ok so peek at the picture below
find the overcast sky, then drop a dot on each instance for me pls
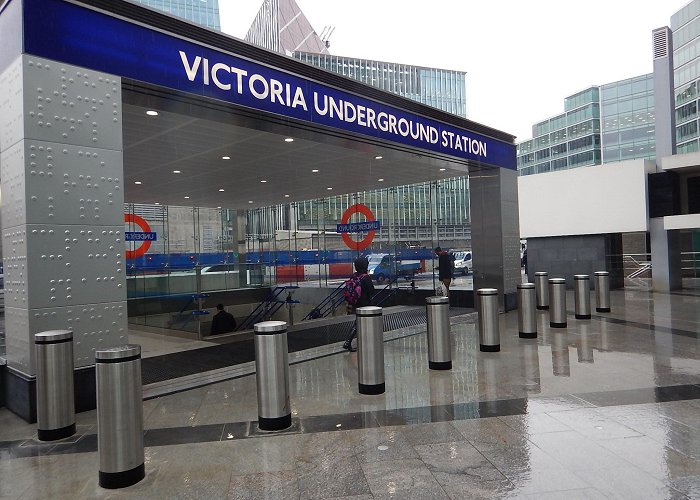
(522, 58)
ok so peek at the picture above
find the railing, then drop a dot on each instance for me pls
(327, 305)
(269, 306)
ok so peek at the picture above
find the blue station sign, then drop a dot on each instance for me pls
(359, 227)
(67, 32)
(139, 236)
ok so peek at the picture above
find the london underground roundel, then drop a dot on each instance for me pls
(145, 236)
(370, 226)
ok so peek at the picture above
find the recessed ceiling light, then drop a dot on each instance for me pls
(150, 112)
(187, 197)
(380, 180)
(177, 172)
(329, 188)
(442, 170)
(218, 207)
(315, 170)
(286, 196)
(225, 157)
(137, 182)
(289, 139)
(221, 190)
(156, 203)
(263, 181)
(378, 157)
(250, 201)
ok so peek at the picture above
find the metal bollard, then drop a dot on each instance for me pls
(542, 291)
(527, 318)
(602, 291)
(272, 374)
(439, 340)
(489, 333)
(55, 394)
(557, 296)
(582, 296)
(120, 416)
(370, 350)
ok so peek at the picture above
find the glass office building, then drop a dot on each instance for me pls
(440, 88)
(685, 25)
(602, 124)
(627, 117)
(281, 26)
(569, 140)
(202, 12)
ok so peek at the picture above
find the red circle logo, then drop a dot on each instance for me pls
(367, 240)
(146, 244)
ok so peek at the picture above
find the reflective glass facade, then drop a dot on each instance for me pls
(685, 25)
(282, 27)
(203, 12)
(569, 140)
(439, 88)
(627, 116)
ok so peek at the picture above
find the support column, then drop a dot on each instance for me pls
(665, 257)
(495, 232)
(61, 165)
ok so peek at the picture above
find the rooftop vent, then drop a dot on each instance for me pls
(660, 39)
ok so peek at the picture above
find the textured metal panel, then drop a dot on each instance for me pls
(11, 102)
(71, 105)
(61, 168)
(74, 184)
(74, 264)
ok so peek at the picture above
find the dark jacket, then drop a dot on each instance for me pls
(444, 265)
(222, 322)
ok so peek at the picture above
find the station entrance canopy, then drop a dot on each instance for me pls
(229, 95)
(237, 126)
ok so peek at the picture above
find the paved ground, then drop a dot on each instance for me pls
(606, 408)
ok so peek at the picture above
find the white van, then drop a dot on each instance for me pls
(463, 263)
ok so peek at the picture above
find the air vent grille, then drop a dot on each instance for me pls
(660, 40)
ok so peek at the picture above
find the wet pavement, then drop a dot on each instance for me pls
(605, 408)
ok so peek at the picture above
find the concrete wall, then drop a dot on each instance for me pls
(565, 256)
(602, 199)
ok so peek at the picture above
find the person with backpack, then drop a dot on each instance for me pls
(358, 292)
(444, 268)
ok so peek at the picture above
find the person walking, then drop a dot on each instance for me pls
(358, 293)
(222, 322)
(444, 268)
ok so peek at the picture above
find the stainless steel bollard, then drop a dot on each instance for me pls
(439, 339)
(527, 317)
(542, 291)
(370, 350)
(557, 297)
(489, 333)
(55, 394)
(272, 374)
(582, 296)
(602, 291)
(120, 416)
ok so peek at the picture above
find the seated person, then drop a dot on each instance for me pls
(222, 322)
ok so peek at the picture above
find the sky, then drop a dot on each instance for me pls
(522, 58)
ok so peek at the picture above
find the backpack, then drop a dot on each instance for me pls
(353, 289)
